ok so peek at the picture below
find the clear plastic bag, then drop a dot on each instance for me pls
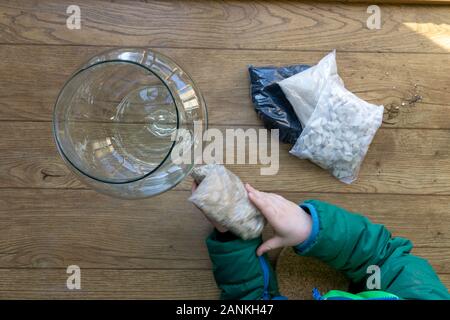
(221, 195)
(339, 132)
(304, 89)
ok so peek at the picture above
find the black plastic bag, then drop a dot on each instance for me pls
(270, 102)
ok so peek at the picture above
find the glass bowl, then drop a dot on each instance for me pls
(117, 122)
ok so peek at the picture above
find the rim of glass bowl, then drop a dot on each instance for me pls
(90, 65)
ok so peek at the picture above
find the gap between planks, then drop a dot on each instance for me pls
(215, 48)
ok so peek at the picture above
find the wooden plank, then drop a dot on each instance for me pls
(379, 78)
(445, 278)
(229, 24)
(399, 161)
(438, 258)
(108, 284)
(106, 232)
(57, 228)
(114, 284)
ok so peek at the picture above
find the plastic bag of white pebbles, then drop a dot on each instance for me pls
(221, 195)
(304, 89)
(339, 131)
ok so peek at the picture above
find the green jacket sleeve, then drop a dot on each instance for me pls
(239, 272)
(351, 243)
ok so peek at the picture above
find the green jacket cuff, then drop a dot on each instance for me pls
(238, 271)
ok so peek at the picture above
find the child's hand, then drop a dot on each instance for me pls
(214, 223)
(291, 224)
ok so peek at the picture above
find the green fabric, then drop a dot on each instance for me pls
(237, 269)
(350, 243)
(347, 242)
(333, 294)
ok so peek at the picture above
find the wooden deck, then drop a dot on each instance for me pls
(154, 248)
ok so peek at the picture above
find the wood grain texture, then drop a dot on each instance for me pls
(229, 24)
(445, 278)
(113, 284)
(57, 228)
(399, 161)
(50, 228)
(31, 77)
(108, 284)
(154, 248)
(163, 254)
(151, 285)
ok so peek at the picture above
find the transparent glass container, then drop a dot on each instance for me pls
(117, 121)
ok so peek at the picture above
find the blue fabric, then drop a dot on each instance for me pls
(316, 294)
(280, 298)
(265, 270)
(309, 208)
(266, 276)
